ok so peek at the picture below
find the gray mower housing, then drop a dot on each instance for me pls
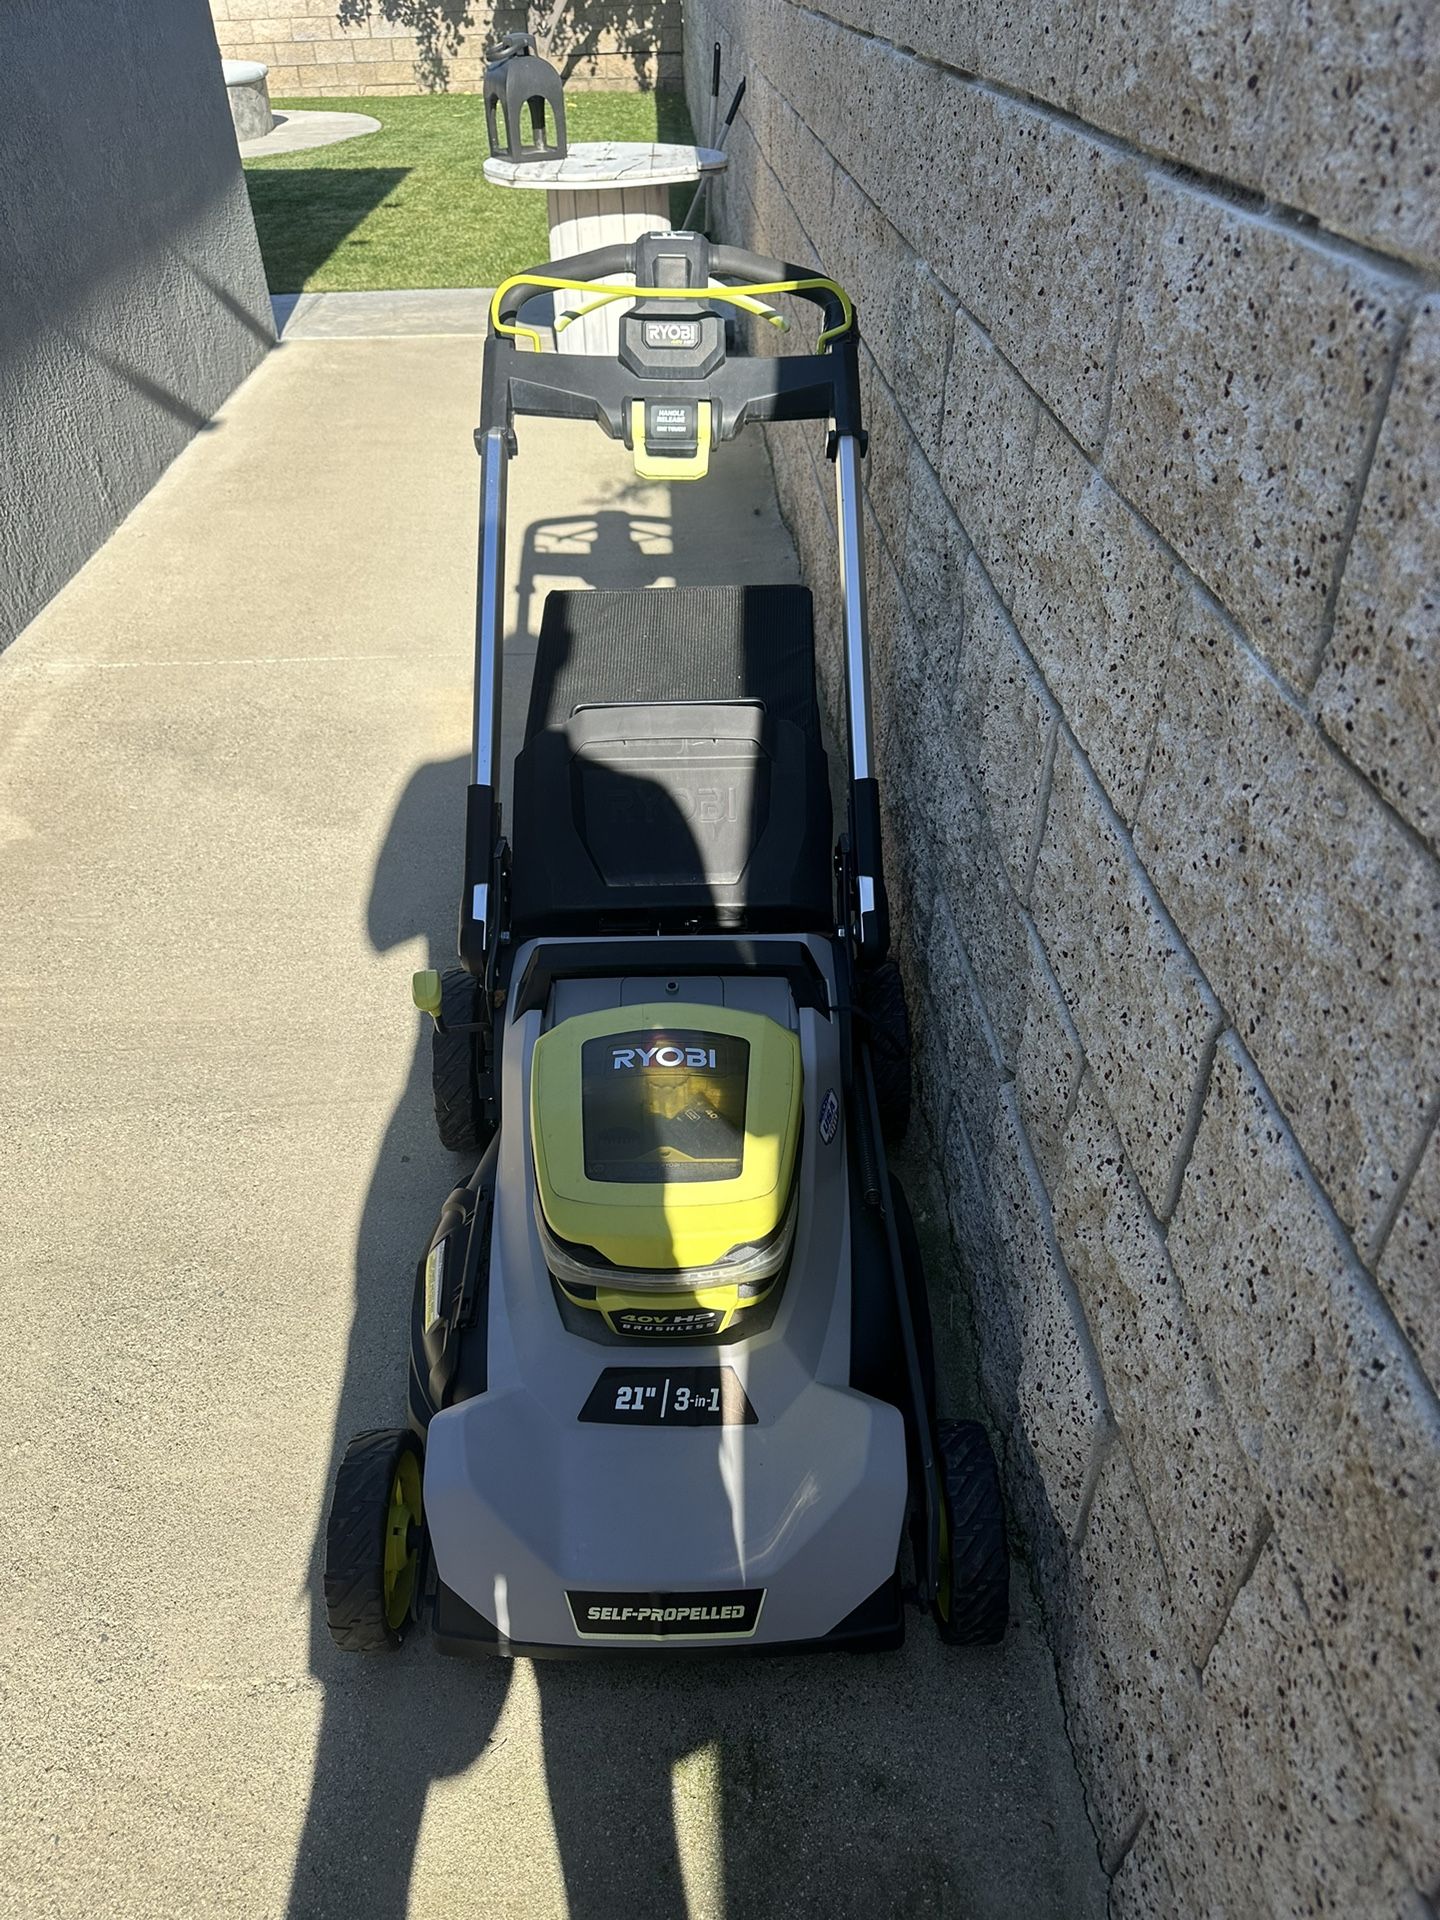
(527, 1504)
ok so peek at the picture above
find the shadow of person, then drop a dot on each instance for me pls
(621, 1738)
(638, 1765)
(391, 1727)
(636, 1750)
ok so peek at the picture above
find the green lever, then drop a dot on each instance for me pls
(425, 992)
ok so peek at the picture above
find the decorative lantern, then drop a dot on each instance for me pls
(524, 104)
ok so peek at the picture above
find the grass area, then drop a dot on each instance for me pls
(409, 207)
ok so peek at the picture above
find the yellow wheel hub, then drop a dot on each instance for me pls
(402, 1545)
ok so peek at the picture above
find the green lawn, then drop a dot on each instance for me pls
(409, 207)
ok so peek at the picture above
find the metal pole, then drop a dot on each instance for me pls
(714, 112)
(490, 610)
(850, 522)
(706, 178)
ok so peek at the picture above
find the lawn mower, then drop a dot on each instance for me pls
(671, 1382)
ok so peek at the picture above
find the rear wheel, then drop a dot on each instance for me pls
(916, 1290)
(458, 1070)
(372, 1542)
(972, 1607)
(887, 1028)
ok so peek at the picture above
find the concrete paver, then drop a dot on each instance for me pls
(299, 128)
(231, 767)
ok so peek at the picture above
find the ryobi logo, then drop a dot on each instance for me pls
(663, 1055)
(672, 333)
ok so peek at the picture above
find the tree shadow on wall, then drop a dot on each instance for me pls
(442, 28)
(439, 26)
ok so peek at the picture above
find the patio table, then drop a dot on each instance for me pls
(603, 192)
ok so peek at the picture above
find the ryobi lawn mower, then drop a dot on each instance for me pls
(671, 1376)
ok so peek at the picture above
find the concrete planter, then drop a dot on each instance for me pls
(249, 95)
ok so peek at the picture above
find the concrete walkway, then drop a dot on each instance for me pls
(231, 768)
(298, 128)
(369, 316)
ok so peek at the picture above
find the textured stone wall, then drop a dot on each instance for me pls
(353, 47)
(132, 298)
(1153, 371)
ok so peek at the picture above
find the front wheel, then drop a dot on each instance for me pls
(972, 1607)
(459, 1077)
(372, 1542)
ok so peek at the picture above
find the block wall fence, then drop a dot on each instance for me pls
(1152, 361)
(415, 46)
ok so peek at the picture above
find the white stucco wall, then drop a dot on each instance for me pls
(132, 298)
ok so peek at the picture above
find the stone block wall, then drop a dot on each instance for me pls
(351, 47)
(1152, 360)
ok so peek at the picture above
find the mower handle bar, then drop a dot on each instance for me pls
(726, 264)
(823, 385)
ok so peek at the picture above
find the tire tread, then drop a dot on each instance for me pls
(454, 1080)
(979, 1554)
(882, 1000)
(355, 1543)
